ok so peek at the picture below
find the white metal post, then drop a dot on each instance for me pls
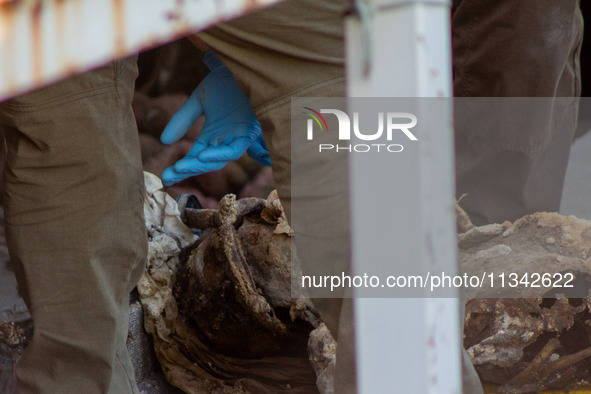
(44, 41)
(406, 345)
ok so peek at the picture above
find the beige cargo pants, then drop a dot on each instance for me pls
(525, 48)
(75, 228)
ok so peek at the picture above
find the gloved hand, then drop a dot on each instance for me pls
(230, 126)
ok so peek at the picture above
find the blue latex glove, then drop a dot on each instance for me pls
(230, 126)
(258, 151)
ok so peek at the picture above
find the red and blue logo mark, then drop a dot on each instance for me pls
(317, 117)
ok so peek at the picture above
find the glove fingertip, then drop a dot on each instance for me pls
(166, 139)
(262, 158)
(171, 133)
(169, 177)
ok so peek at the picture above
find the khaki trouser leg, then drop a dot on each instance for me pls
(75, 228)
(510, 162)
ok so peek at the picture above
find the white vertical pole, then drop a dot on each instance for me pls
(407, 345)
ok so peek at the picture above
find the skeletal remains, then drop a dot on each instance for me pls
(220, 307)
(541, 337)
(224, 321)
